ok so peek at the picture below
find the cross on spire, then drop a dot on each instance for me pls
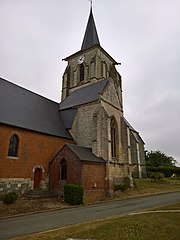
(90, 3)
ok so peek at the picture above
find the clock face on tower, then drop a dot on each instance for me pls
(81, 59)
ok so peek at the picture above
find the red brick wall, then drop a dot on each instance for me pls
(34, 149)
(93, 175)
(93, 181)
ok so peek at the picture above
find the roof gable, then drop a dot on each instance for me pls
(110, 94)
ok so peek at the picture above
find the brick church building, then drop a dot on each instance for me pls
(85, 139)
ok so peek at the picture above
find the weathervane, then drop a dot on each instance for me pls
(90, 2)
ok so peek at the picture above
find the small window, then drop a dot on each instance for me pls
(81, 72)
(13, 146)
(63, 170)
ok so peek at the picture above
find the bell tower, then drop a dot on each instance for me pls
(92, 108)
(89, 65)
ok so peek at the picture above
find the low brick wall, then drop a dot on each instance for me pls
(19, 185)
(91, 196)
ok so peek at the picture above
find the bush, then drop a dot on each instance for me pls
(121, 187)
(10, 197)
(73, 194)
(167, 171)
(156, 176)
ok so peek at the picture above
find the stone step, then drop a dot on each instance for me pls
(39, 193)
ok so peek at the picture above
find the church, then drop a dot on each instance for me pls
(85, 139)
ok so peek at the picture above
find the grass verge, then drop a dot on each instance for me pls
(147, 187)
(146, 226)
(135, 227)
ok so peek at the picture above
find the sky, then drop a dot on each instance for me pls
(143, 35)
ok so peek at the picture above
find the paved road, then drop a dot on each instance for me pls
(18, 226)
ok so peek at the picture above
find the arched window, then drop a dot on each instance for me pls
(81, 72)
(63, 170)
(13, 146)
(114, 138)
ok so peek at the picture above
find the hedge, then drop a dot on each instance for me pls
(73, 194)
(167, 171)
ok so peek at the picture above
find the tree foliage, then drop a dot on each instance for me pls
(168, 171)
(159, 159)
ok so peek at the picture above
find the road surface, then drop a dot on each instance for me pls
(28, 224)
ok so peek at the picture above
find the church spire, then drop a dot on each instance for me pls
(91, 36)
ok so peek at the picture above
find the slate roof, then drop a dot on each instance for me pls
(129, 125)
(134, 132)
(135, 136)
(68, 116)
(22, 108)
(91, 36)
(84, 95)
(85, 153)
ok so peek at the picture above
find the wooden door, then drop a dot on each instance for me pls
(37, 178)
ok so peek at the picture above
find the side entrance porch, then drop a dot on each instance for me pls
(78, 165)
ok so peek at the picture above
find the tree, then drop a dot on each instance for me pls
(158, 159)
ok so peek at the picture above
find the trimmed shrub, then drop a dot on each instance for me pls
(73, 194)
(121, 187)
(10, 197)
